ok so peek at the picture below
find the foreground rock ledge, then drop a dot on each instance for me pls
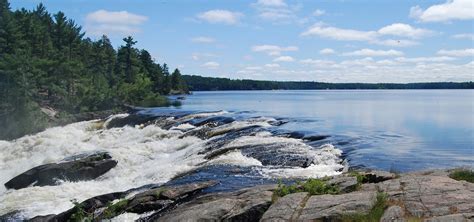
(85, 167)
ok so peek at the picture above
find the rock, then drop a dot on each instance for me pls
(86, 168)
(242, 205)
(377, 176)
(130, 120)
(430, 196)
(11, 217)
(160, 198)
(452, 218)
(345, 184)
(331, 207)
(286, 208)
(393, 214)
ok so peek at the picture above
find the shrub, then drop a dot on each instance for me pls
(312, 186)
(463, 174)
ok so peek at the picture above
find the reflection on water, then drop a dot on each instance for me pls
(399, 129)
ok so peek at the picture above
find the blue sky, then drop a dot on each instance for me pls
(325, 40)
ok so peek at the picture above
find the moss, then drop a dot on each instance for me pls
(159, 192)
(115, 209)
(463, 174)
(373, 215)
(312, 186)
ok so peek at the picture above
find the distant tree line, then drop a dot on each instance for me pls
(199, 83)
(45, 61)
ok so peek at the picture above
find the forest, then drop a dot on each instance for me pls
(47, 62)
(199, 83)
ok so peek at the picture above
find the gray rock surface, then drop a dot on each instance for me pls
(393, 214)
(286, 208)
(329, 207)
(243, 205)
(345, 184)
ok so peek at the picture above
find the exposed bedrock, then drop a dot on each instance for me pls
(86, 167)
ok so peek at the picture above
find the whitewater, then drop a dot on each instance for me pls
(151, 154)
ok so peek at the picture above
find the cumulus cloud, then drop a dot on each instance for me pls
(211, 65)
(404, 30)
(220, 16)
(198, 56)
(464, 36)
(321, 63)
(273, 50)
(284, 59)
(425, 59)
(113, 22)
(203, 39)
(273, 3)
(339, 33)
(276, 11)
(327, 51)
(395, 43)
(371, 52)
(450, 10)
(272, 65)
(457, 53)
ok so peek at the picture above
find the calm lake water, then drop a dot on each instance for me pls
(401, 130)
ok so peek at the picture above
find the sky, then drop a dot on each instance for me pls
(309, 40)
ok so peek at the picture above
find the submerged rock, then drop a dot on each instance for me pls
(85, 168)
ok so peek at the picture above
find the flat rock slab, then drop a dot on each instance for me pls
(393, 214)
(86, 167)
(330, 207)
(430, 196)
(243, 205)
(286, 208)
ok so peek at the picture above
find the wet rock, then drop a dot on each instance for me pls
(286, 208)
(11, 216)
(160, 198)
(430, 196)
(377, 176)
(243, 205)
(393, 214)
(331, 207)
(212, 121)
(85, 168)
(345, 184)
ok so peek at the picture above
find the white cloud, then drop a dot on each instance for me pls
(451, 10)
(198, 56)
(318, 63)
(425, 59)
(319, 12)
(211, 65)
(457, 53)
(326, 51)
(395, 43)
(203, 39)
(284, 59)
(464, 36)
(339, 34)
(113, 22)
(273, 3)
(404, 30)
(371, 52)
(273, 50)
(272, 65)
(220, 16)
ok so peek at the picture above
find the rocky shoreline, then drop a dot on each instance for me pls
(362, 196)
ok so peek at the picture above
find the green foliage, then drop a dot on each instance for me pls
(312, 186)
(463, 174)
(79, 215)
(199, 83)
(374, 214)
(360, 177)
(115, 209)
(45, 61)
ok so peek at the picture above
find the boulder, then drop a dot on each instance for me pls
(130, 120)
(377, 176)
(285, 208)
(242, 205)
(452, 218)
(346, 184)
(85, 168)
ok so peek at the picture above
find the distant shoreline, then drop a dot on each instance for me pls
(200, 83)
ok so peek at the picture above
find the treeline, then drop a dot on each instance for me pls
(45, 61)
(199, 83)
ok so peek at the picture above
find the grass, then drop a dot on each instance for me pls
(463, 174)
(312, 186)
(80, 215)
(373, 215)
(115, 209)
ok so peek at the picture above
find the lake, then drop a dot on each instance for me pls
(402, 130)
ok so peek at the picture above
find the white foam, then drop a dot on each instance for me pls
(235, 158)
